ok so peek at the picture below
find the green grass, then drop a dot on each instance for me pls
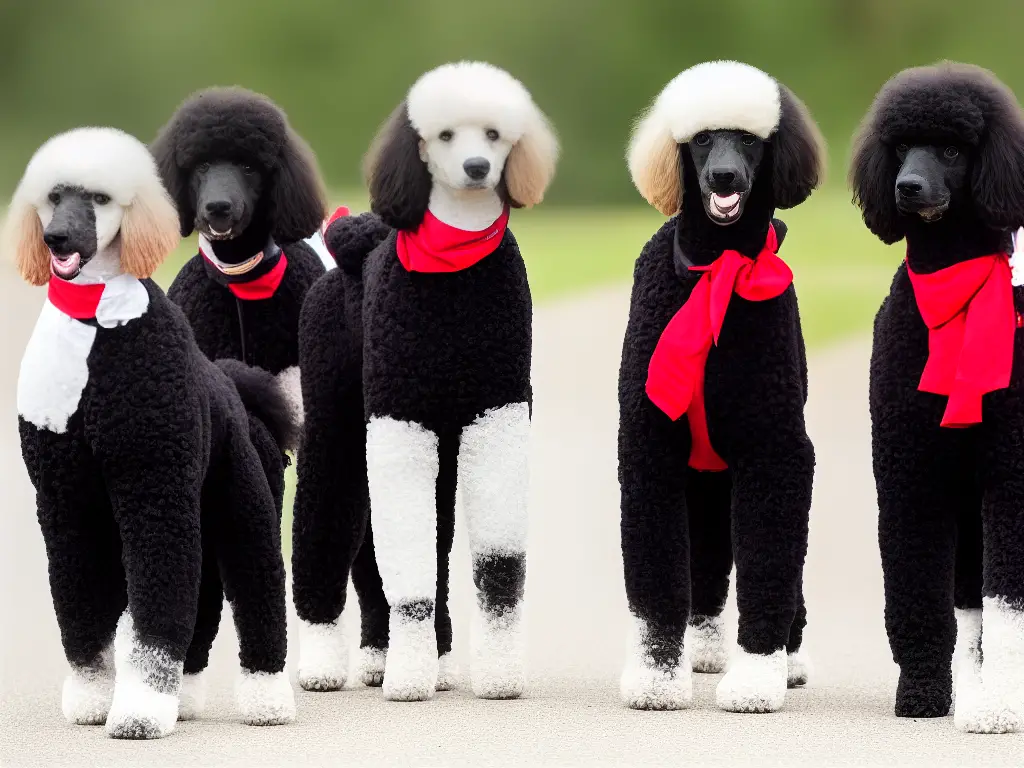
(841, 270)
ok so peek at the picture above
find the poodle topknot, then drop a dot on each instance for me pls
(944, 103)
(242, 126)
(101, 160)
(725, 95)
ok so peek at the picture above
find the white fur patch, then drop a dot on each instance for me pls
(88, 691)
(138, 711)
(474, 211)
(323, 656)
(798, 669)
(316, 242)
(412, 665)
(1017, 258)
(498, 650)
(192, 698)
(370, 666)
(754, 682)
(290, 382)
(644, 685)
(990, 698)
(265, 698)
(968, 637)
(705, 641)
(447, 673)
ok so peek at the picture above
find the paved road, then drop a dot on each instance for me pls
(576, 614)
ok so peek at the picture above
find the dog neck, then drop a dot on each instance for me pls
(469, 209)
(103, 267)
(253, 239)
(957, 236)
(702, 240)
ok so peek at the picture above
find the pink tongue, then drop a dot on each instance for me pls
(725, 202)
(67, 266)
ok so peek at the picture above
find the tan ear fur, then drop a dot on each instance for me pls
(653, 160)
(530, 165)
(22, 239)
(149, 232)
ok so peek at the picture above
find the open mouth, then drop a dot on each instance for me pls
(724, 207)
(928, 213)
(65, 266)
(217, 234)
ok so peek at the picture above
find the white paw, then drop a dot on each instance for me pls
(647, 685)
(447, 673)
(798, 669)
(705, 642)
(370, 666)
(497, 668)
(323, 656)
(754, 683)
(192, 698)
(87, 695)
(412, 667)
(265, 698)
(140, 710)
(990, 695)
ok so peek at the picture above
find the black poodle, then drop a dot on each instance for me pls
(722, 147)
(425, 332)
(154, 468)
(249, 185)
(939, 161)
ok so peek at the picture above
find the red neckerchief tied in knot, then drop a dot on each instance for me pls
(438, 247)
(77, 300)
(971, 320)
(675, 376)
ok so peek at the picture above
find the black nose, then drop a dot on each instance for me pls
(56, 241)
(218, 208)
(910, 187)
(723, 177)
(477, 167)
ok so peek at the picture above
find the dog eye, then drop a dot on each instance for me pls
(203, 167)
(950, 153)
(101, 199)
(702, 139)
(902, 148)
(747, 139)
(492, 134)
(247, 169)
(446, 135)
(54, 198)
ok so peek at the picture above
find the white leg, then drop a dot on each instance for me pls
(493, 478)
(265, 698)
(447, 673)
(798, 669)
(323, 656)
(370, 666)
(705, 641)
(146, 685)
(290, 382)
(990, 696)
(754, 682)
(402, 466)
(645, 683)
(89, 690)
(192, 699)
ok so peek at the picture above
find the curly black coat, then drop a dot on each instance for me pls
(938, 488)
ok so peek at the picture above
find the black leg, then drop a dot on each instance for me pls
(374, 612)
(708, 503)
(448, 455)
(192, 699)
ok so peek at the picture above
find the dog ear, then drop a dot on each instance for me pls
(297, 198)
(397, 177)
(873, 170)
(997, 179)
(149, 232)
(653, 160)
(23, 238)
(175, 179)
(530, 165)
(798, 152)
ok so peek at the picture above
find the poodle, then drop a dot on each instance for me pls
(154, 468)
(423, 334)
(242, 177)
(721, 148)
(939, 162)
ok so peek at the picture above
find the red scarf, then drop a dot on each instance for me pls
(675, 376)
(73, 299)
(263, 286)
(438, 247)
(969, 311)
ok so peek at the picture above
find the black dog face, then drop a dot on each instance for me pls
(224, 197)
(930, 178)
(726, 163)
(70, 233)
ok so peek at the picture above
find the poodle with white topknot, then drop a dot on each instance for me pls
(722, 147)
(424, 336)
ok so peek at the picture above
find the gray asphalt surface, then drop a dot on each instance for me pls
(576, 613)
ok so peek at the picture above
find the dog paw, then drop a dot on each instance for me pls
(648, 684)
(265, 698)
(447, 673)
(412, 665)
(798, 669)
(754, 682)
(370, 666)
(705, 643)
(928, 695)
(192, 698)
(147, 680)
(323, 657)
(497, 662)
(86, 697)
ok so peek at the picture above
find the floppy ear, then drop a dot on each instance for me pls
(23, 238)
(149, 232)
(653, 159)
(530, 165)
(398, 178)
(297, 199)
(873, 170)
(175, 179)
(997, 181)
(798, 152)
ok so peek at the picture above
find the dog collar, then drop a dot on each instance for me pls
(258, 277)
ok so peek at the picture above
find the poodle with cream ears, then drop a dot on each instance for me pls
(426, 326)
(722, 147)
(150, 462)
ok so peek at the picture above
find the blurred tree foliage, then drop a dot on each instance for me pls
(339, 66)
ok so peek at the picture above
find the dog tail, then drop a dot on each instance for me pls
(350, 239)
(264, 397)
